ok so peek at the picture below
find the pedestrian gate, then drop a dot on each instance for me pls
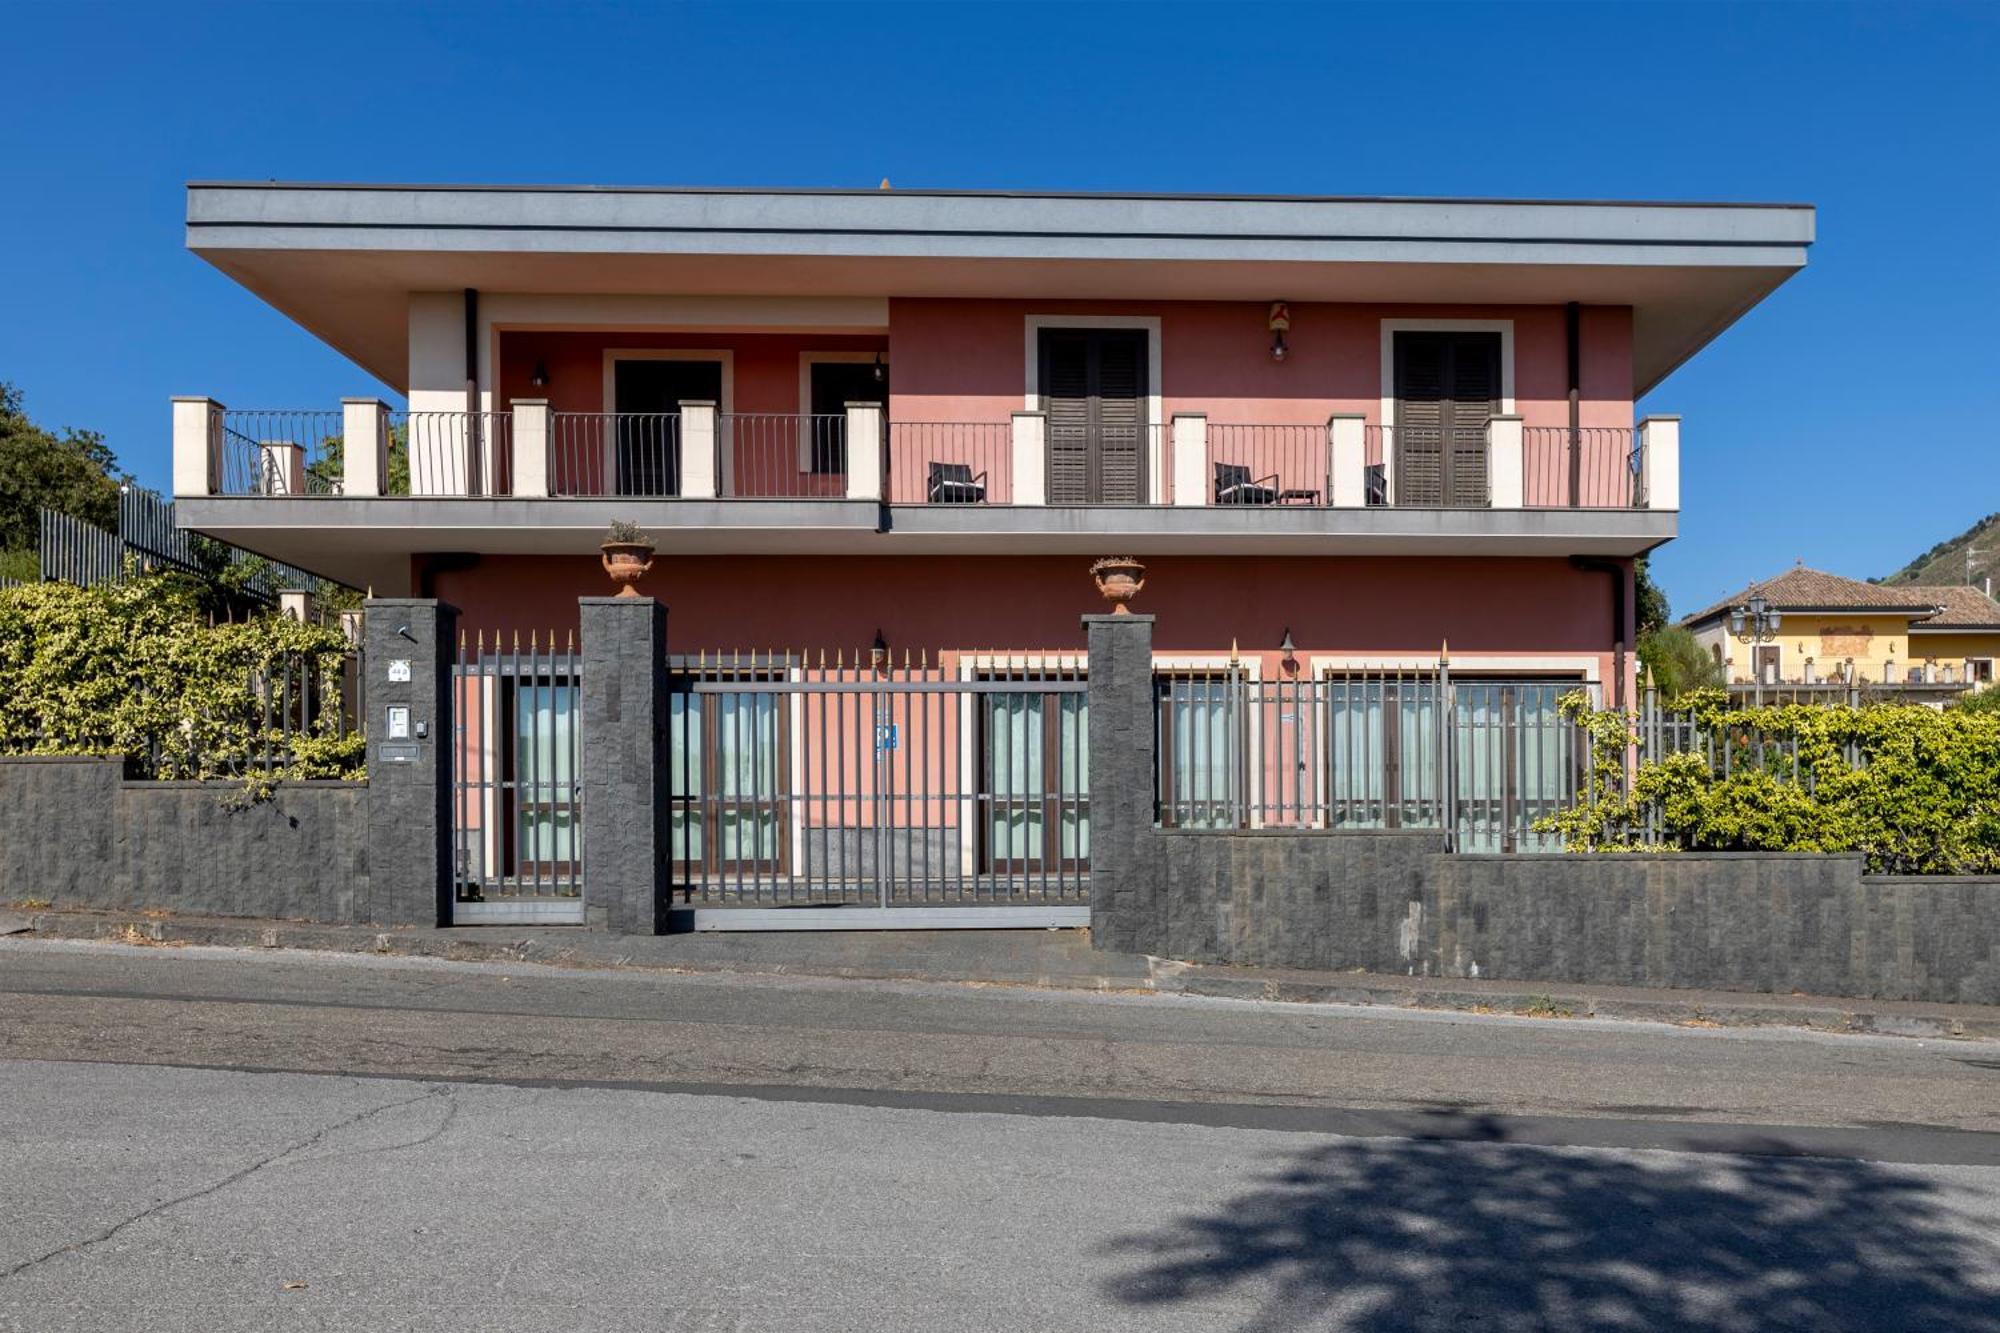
(517, 826)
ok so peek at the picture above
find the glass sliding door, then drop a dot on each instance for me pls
(544, 742)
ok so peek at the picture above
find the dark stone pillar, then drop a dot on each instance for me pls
(410, 644)
(624, 763)
(1123, 890)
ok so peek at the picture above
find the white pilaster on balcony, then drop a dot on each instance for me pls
(1347, 460)
(865, 432)
(1031, 469)
(1506, 478)
(197, 445)
(364, 446)
(698, 451)
(1190, 458)
(1660, 461)
(281, 467)
(531, 448)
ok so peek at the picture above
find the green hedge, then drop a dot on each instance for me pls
(1914, 789)
(139, 669)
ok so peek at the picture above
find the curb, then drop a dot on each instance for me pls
(1167, 978)
(1560, 1004)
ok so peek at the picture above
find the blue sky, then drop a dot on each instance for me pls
(1843, 422)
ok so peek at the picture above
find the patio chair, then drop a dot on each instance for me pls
(1233, 486)
(956, 484)
(1377, 484)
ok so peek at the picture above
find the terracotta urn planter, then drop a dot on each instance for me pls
(627, 563)
(1119, 579)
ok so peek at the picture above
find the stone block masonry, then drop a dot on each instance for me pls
(1396, 902)
(77, 834)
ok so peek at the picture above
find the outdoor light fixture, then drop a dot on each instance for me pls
(1290, 659)
(1280, 324)
(540, 378)
(881, 372)
(1755, 622)
(878, 653)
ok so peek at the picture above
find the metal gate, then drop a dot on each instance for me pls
(517, 824)
(869, 795)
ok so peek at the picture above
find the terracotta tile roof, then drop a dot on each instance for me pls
(1964, 606)
(1802, 589)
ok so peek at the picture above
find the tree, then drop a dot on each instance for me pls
(1679, 664)
(1649, 600)
(75, 472)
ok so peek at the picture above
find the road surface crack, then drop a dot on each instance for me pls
(236, 1177)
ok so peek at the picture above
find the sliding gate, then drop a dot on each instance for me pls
(877, 796)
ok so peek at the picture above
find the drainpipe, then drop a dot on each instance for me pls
(474, 423)
(1572, 333)
(1619, 576)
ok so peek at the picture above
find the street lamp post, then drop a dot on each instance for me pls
(1755, 623)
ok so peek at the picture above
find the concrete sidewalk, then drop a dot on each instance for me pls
(1051, 959)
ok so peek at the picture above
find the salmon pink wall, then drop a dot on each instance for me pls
(765, 365)
(964, 360)
(1387, 605)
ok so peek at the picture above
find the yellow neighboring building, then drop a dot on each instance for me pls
(1832, 629)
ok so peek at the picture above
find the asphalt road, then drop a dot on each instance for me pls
(198, 1140)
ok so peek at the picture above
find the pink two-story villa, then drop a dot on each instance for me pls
(1339, 432)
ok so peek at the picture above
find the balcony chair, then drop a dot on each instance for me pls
(955, 484)
(1377, 483)
(1233, 486)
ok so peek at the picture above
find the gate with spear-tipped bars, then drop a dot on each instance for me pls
(938, 790)
(517, 826)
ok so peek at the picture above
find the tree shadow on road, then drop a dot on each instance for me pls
(1386, 1235)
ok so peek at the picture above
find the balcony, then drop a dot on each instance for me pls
(530, 479)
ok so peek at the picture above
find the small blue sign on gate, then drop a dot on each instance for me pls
(885, 736)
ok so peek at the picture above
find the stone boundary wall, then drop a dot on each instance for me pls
(75, 833)
(1396, 902)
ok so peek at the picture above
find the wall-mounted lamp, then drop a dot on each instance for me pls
(540, 377)
(1290, 653)
(878, 652)
(1281, 324)
(881, 371)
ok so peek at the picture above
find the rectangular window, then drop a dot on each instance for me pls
(726, 780)
(1035, 768)
(1203, 749)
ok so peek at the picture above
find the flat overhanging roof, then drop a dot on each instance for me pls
(342, 260)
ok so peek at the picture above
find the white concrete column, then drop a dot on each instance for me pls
(1031, 458)
(865, 431)
(1506, 482)
(1660, 461)
(197, 445)
(364, 446)
(531, 447)
(295, 604)
(281, 467)
(698, 451)
(1347, 460)
(1190, 458)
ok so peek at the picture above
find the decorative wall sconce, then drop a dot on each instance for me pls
(1281, 324)
(878, 652)
(1290, 653)
(540, 377)
(881, 371)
